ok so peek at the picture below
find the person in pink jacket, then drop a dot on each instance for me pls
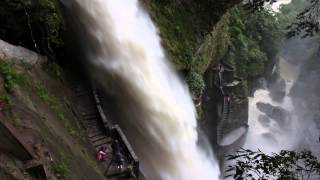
(101, 155)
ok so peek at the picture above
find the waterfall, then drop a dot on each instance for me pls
(294, 132)
(157, 113)
(266, 133)
(269, 137)
(276, 5)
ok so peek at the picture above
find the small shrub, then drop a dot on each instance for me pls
(60, 170)
(4, 98)
(71, 130)
(42, 91)
(196, 84)
(9, 75)
(55, 70)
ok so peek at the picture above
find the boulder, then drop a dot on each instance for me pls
(277, 89)
(17, 53)
(274, 112)
(264, 120)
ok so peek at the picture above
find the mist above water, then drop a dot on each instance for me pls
(270, 136)
(276, 6)
(157, 112)
(294, 132)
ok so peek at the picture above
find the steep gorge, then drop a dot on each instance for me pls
(220, 51)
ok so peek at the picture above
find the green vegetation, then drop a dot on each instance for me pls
(44, 95)
(55, 71)
(67, 124)
(10, 76)
(60, 171)
(4, 98)
(254, 41)
(38, 24)
(180, 28)
(189, 36)
(214, 47)
(48, 13)
(285, 165)
(54, 104)
(42, 92)
(196, 84)
(289, 12)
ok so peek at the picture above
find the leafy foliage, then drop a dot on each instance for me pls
(38, 24)
(10, 75)
(196, 84)
(254, 41)
(60, 171)
(176, 32)
(4, 98)
(55, 71)
(42, 92)
(284, 165)
(183, 26)
(288, 13)
(307, 22)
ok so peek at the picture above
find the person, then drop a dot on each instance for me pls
(101, 155)
(117, 151)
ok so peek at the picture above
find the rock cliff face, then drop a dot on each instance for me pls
(196, 37)
(194, 33)
(38, 116)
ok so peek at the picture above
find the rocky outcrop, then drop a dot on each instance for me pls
(226, 109)
(277, 88)
(41, 110)
(18, 53)
(276, 113)
(264, 120)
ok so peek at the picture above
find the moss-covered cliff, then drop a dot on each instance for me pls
(38, 102)
(197, 36)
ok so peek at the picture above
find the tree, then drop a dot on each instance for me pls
(307, 23)
(248, 164)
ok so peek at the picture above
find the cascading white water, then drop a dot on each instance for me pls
(271, 137)
(157, 113)
(275, 6)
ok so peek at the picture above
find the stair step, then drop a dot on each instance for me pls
(92, 123)
(91, 135)
(98, 138)
(96, 130)
(88, 118)
(94, 127)
(102, 142)
(88, 114)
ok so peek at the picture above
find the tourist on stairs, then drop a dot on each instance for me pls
(101, 155)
